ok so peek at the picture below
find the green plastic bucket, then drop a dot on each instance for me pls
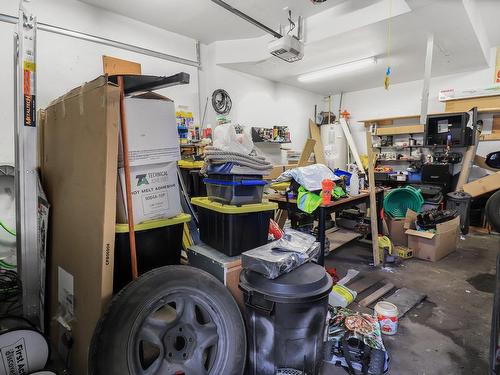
(400, 200)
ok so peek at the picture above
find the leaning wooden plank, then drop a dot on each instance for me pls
(483, 185)
(351, 143)
(306, 152)
(373, 199)
(376, 295)
(319, 151)
(359, 286)
(405, 299)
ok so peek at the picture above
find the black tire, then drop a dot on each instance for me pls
(493, 211)
(174, 312)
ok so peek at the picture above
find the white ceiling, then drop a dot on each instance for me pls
(207, 22)
(457, 48)
(489, 11)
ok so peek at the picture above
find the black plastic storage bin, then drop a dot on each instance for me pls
(193, 180)
(158, 243)
(285, 319)
(460, 201)
(235, 189)
(233, 229)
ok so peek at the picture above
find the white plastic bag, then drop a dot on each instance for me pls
(310, 177)
(226, 139)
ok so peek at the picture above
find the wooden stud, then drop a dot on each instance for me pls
(114, 66)
(373, 199)
(376, 295)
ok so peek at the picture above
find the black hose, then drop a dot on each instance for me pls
(221, 102)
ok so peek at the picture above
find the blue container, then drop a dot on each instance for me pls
(341, 173)
(244, 191)
(415, 177)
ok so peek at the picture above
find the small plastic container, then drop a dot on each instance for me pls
(235, 189)
(232, 229)
(415, 177)
(387, 316)
(158, 243)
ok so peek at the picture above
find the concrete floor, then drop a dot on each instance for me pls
(448, 333)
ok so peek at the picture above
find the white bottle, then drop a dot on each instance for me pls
(354, 184)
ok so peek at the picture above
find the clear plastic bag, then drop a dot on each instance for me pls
(310, 176)
(279, 257)
(226, 139)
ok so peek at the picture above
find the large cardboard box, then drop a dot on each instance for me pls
(152, 130)
(79, 173)
(155, 192)
(434, 245)
(397, 230)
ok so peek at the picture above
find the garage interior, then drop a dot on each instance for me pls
(223, 187)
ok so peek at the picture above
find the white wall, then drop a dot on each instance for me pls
(64, 62)
(258, 101)
(405, 99)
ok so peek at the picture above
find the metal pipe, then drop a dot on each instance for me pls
(105, 41)
(247, 18)
(300, 28)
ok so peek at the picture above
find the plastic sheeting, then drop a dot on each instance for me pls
(310, 176)
(226, 139)
(282, 256)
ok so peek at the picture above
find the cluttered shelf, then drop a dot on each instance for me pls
(389, 120)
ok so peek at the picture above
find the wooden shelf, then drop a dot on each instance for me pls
(403, 129)
(490, 137)
(387, 121)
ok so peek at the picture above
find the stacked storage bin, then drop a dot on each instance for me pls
(233, 218)
(233, 229)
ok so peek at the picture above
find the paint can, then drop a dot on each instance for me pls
(387, 316)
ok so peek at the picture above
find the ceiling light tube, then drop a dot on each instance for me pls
(337, 69)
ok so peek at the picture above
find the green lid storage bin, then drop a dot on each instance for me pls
(398, 201)
(158, 243)
(233, 229)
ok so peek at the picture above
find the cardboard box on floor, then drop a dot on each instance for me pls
(436, 245)
(79, 170)
(397, 230)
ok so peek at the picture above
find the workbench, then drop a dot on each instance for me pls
(334, 206)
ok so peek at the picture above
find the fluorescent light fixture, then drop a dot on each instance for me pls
(337, 69)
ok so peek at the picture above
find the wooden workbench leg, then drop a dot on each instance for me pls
(321, 235)
(373, 198)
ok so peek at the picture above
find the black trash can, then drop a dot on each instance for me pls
(460, 201)
(285, 319)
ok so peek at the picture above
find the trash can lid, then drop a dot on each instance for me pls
(459, 195)
(307, 282)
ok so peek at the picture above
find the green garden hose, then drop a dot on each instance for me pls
(7, 229)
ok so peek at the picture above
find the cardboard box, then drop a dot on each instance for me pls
(79, 173)
(155, 192)
(397, 230)
(152, 130)
(434, 245)
(226, 269)
(483, 185)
